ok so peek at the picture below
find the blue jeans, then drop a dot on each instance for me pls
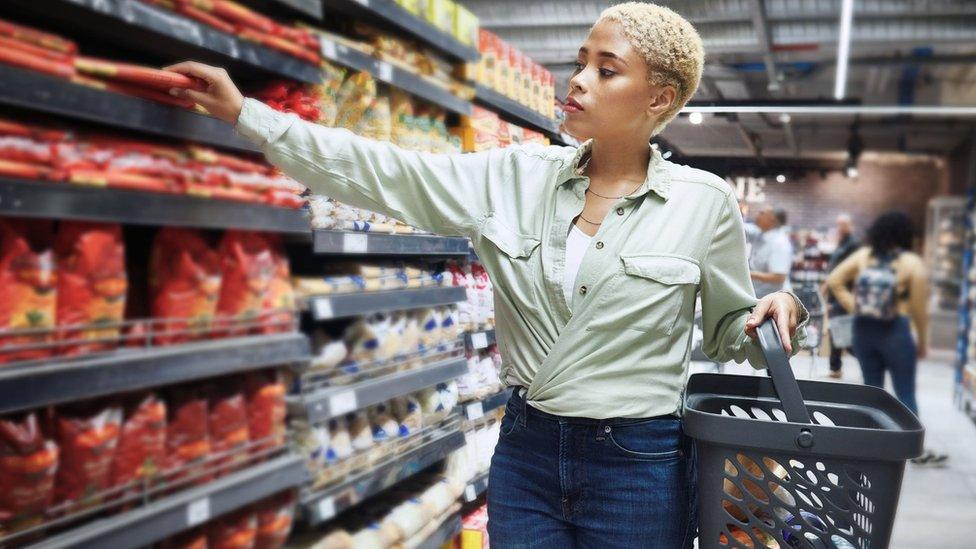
(887, 345)
(560, 482)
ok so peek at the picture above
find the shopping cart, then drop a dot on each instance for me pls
(783, 463)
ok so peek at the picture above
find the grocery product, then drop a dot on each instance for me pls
(228, 421)
(92, 284)
(355, 98)
(87, 435)
(28, 288)
(247, 269)
(191, 539)
(466, 26)
(141, 450)
(187, 431)
(265, 408)
(28, 466)
(136, 75)
(279, 300)
(184, 284)
(275, 516)
(238, 530)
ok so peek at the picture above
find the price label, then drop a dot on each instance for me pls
(355, 243)
(198, 512)
(342, 403)
(475, 411)
(326, 509)
(470, 494)
(323, 308)
(329, 49)
(385, 71)
(479, 340)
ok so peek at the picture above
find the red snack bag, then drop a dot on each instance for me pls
(92, 283)
(36, 37)
(87, 440)
(137, 75)
(184, 283)
(228, 422)
(193, 539)
(238, 530)
(187, 433)
(275, 517)
(248, 266)
(141, 451)
(266, 408)
(28, 465)
(279, 300)
(26, 170)
(28, 285)
(29, 61)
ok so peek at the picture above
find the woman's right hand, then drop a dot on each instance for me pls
(221, 98)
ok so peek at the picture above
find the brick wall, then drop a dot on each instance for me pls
(814, 201)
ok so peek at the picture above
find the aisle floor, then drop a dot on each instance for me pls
(936, 504)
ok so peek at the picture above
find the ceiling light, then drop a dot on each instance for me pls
(852, 172)
(695, 117)
(843, 48)
(785, 118)
(781, 178)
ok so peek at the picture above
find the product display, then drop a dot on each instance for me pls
(506, 70)
(28, 286)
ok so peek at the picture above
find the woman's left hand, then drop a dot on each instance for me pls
(783, 309)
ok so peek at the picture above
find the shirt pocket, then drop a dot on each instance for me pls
(514, 245)
(647, 293)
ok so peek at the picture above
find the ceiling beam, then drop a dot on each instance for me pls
(761, 25)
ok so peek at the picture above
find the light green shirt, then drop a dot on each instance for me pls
(620, 346)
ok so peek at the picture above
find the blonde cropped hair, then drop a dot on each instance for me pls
(669, 45)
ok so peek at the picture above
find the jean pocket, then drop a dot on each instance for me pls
(510, 421)
(652, 440)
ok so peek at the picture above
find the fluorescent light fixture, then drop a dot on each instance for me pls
(785, 118)
(852, 172)
(781, 178)
(843, 48)
(695, 117)
(840, 110)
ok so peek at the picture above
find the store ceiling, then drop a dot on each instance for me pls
(903, 52)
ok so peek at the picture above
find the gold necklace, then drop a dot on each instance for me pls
(588, 221)
(615, 197)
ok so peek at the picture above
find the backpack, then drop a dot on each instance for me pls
(876, 290)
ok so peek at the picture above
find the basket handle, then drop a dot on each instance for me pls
(778, 364)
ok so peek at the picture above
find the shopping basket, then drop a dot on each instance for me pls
(783, 463)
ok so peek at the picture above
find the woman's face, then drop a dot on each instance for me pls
(609, 93)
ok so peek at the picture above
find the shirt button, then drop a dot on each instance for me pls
(620, 211)
(599, 245)
(583, 290)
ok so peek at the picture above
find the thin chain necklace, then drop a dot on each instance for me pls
(594, 193)
(588, 221)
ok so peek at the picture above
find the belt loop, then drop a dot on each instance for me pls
(523, 405)
(601, 430)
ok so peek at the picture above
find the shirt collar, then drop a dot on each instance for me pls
(658, 178)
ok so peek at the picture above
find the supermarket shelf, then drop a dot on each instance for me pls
(480, 340)
(63, 380)
(27, 198)
(360, 243)
(477, 409)
(335, 401)
(42, 93)
(364, 303)
(393, 75)
(171, 34)
(447, 531)
(390, 13)
(474, 489)
(513, 111)
(322, 505)
(179, 512)
(312, 8)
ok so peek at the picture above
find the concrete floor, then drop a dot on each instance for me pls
(936, 504)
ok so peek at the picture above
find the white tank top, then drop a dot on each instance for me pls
(576, 244)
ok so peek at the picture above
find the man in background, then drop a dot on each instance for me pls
(771, 253)
(846, 245)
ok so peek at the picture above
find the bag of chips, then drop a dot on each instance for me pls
(28, 465)
(184, 284)
(187, 433)
(87, 436)
(247, 268)
(92, 284)
(275, 516)
(238, 530)
(228, 422)
(141, 450)
(28, 289)
(279, 300)
(266, 408)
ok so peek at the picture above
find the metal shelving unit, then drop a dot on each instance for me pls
(477, 486)
(185, 509)
(328, 307)
(322, 505)
(515, 112)
(389, 13)
(393, 75)
(63, 380)
(360, 243)
(311, 8)
(46, 94)
(330, 402)
(28, 198)
(477, 409)
(480, 339)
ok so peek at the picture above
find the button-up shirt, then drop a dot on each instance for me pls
(771, 252)
(619, 346)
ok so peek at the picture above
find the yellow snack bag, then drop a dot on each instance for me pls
(328, 93)
(401, 116)
(376, 123)
(465, 26)
(355, 97)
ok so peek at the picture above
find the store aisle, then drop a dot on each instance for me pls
(937, 505)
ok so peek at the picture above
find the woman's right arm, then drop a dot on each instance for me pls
(840, 278)
(441, 193)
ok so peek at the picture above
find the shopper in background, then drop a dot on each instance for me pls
(596, 254)
(846, 245)
(771, 254)
(889, 297)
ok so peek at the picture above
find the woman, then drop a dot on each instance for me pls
(596, 255)
(883, 340)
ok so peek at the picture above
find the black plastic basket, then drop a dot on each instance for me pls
(796, 464)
